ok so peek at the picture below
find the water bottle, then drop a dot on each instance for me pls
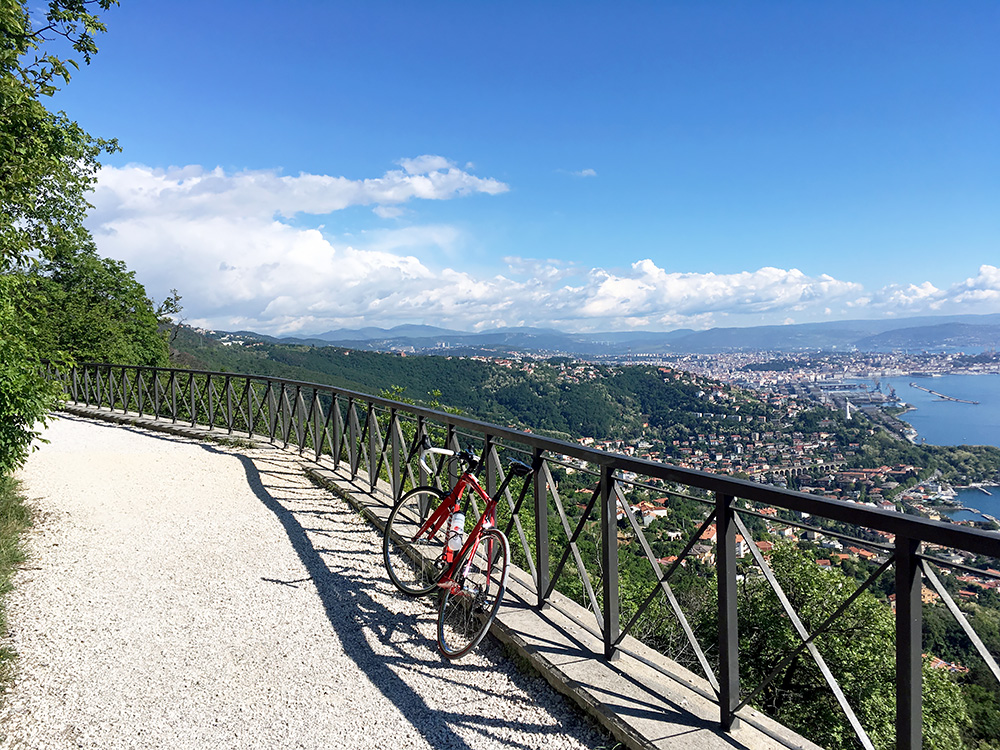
(456, 531)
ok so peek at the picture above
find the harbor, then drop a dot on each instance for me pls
(942, 396)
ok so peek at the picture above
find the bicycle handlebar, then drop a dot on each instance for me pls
(425, 451)
(464, 455)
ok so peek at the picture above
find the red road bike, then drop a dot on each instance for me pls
(425, 549)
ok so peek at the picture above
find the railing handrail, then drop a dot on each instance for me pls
(912, 527)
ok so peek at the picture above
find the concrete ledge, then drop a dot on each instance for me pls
(646, 701)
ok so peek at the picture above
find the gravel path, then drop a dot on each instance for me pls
(186, 595)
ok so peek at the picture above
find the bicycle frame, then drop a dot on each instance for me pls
(452, 503)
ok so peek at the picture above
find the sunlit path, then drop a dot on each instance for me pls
(181, 594)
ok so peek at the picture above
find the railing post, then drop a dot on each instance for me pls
(76, 385)
(353, 450)
(286, 417)
(194, 411)
(491, 468)
(300, 419)
(541, 527)
(317, 412)
(338, 432)
(451, 441)
(272, 411)
(609, 560)
(250, 414)
(139, 374)
(211, 400)
(729, 639)
(229, 405)
(909, 675)
(372, 448)
(421, 434)
(397, 477)
(173, 396)
(156, 392)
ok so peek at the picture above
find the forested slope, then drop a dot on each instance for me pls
(555, 396)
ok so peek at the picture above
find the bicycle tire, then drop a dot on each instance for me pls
(413, 564)
(467, 610)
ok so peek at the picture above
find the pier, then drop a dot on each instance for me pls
(942, 396)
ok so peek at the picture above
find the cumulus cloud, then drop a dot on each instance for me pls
(976, 294)
(233, 244)
(650, 290)
(982, 288)
(138, 190)
(226, 240)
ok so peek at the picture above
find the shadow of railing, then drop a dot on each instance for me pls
(348, 593)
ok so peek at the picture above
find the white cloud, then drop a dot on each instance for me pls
(138, 190)
(977, 294)
(585, 173)
(227, 243)
(219, 239)
(387, 212)
(982, 288)
(424, 164)
(650, 290)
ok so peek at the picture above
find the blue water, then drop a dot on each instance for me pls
(946, 422)
(940, 422)
(973, 498)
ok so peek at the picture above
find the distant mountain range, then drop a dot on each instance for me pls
(952, 332)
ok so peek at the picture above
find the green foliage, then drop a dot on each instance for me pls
(858, 648)
(944, 712)
(93, 310)
(25, 395)
(49, 161)
(944, 637)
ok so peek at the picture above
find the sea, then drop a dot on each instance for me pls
(941, 422)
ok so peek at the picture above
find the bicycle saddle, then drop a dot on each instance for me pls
(519, 468)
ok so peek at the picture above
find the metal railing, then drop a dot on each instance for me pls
(376, 437)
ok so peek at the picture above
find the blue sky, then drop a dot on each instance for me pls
(302, 166)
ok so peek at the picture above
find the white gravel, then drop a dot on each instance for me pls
(186, 595)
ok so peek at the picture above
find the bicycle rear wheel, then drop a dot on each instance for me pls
(467, 609)
(412, 561)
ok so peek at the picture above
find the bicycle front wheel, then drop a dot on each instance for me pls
(468, 607)
(412, 558)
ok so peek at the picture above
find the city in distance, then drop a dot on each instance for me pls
(970, 333)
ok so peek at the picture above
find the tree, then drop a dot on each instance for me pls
(858, 648)
(47, 164)
(25, 395)
(92, 309)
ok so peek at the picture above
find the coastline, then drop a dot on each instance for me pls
(959, 504)
(970, 416)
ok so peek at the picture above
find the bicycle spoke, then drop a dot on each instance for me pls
(468, 607)
(412, 555)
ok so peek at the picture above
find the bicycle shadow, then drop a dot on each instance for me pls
(358, 602)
